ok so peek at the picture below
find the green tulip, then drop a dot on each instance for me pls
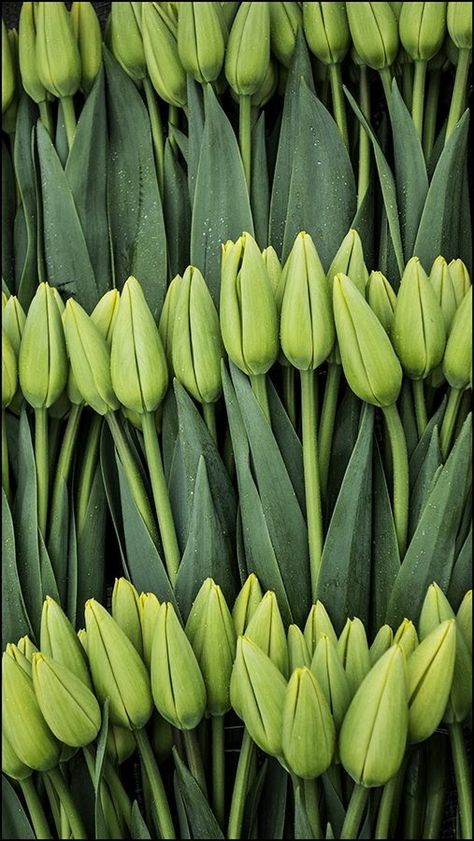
(460, 279)
(246, 603)
(126, 611)
(464, 619)
(165, 70)
(298, 654)
(27, 53)
(9, 371)
(27, 647)
(374, 32)
(406, 637)
(266, 630)
(57, 54)
(459, 22)
(285, 20)
(265, 90)
(125, 38)
(201, 41)
(349, 260)
(248, 48)
(457, 360)
(166, 322)
(308, 732)
(8, 70)
(422, 27)
(441, 281)
(14, 319)
(42, 362)
(327, 667)
(86, 28)
(353, 650)
(382, 642)
(317, 624)
(148, 609)
(120, 744)
(59, 641)
(327, 31)
(11, 765)
(430, 672)
(381, 299)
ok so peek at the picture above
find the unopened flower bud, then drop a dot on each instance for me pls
(353, 650)
(464, 619)
(160, 43)
(8, 70)
(285, 20)
(274, 269)
(298, 654)
(9, 371)
(27, 53)
(246, 603)
(382, 299)
(126, 611)
(120, 744)
(13, 651)
(422, 27)
(382, 642)
(201, 43)
(11, 765)
(148, 607)
(59, 641)
(430, 672)
(90, 359)
(86, 28)
(161, 736)
(266, 630)
(166, 322)
(317, 624)
(57, 53)
(42, 363)
(266, 89)
(27, 647)
(327, 31)
(308, 732)
(460, 24)
(374, 32)
(460, 279)
(125, 38)
(248, 48)
(349, 260)
(326, 665)
(457, 361)
(441, 281)
(406, 637)
(14, 322)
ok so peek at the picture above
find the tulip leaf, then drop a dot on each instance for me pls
(302, 824)
(91, 545)
(15, 622)
(424, 481)
(169, 430)
(195, 114)
(8, 217)
(466, 519)
(408, 418)
(336, 810)
(15, 823)
(260, 189)
(184, 829)
(202, 820)
(438, 231)
(344, 578)
(221, 206)
(418, 455)
(461, 576)
(101, 829)
(288, 442)
(177, 211)
(252, 802)
(275, 796)
(72, 571)
(136, 221)
(26, 272)
(49, 586)
(364, 223)
(430, 554)
(60, 138)
(138, 827)
(346, 430)
(385, 554)
(58, 538)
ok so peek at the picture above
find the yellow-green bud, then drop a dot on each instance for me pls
(353, 650)
(464, 619)
(137, 359)
(327, 31)
(349, 260)
(166, 322)
(9, 371)
(90, 359)
(8, 70)
(11, 765)
(25, 727)
(161, 736)
(177, 684)
(27, 53)
(57, 53)
(211, 633)
(197, 347)
(374, 31)
(68, 706)
(201, 44)
(396, 9)
(418, 333)
(229, 11)
(118, 672)
(460, 24)
(285, 20)
(248, 48)
(120, 744)
(27, 647)
(406, 637)
(149, 607)
(430, 672)
(317, 624)
(374, 731)
(457, 361)
(274, 269)
(308, 732)
(126, 611)
(247, 308)
(86, 28)
(368, 358)
(266, 89)
(266, 630)
(306, 326)
(381, 299)
(160, 43)
(13, 651)
(104, 314)
(298, 654)
(82, 637)
(460, 279)
(422, 27)
(327, 667)
(42, 363)
(14, 322)
(125, 38)
(257, 694)
(246, 603)
(59, 641)
(441, 281)
(382, 642)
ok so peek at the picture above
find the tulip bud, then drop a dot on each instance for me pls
(27, 648)
(327, 667)
(86, 28)
(422, 27)
(247, 307)
(118, 671)
(16, 654)
(464, 619)
(349, 260)
(382, 642)
(429, 677)
(374, 731)
(353, 650)
(164, 67)
(11, 765)
(82, 637)
(308, 732)
(125, 38)
(418, 332)
(126, 611)
(374, 32)
(274, 270)
(68, 706)
(368, 359)
(460, 24)
(298, 654)
(201, 44)
(327, 31)
(9, 371)
(57, 53)
(8, 70)
(441, 281)
(42, 363)
(120, 744)
(90, 359)
(457, 361)
(137, 359)
(265, 90)
(307, 326)
(104, 314)
(381, 299)
(148, 608)
(27, 53)
(257, 694)
(166, 323)
(14, 322)
(177, 684)
(317, 624)
(246, 603)
(211, 633)
(197, 348)
(248, 48)
(460, 279)
(406, 637)
(162, 737)
(285, 20)
(59, 641)
(26, 730)
(266, 630)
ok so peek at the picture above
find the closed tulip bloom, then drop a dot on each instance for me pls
(27, 647)
(148, 608)
(8, 70)
(27, 53)
(422, 27)
(382, 642)
(298, 654)
(460, 279)
(317, 624)
(327, 667)
(161, 737)
(459, 22)
(266, 89)
(120, 745)
(125, 38)
(126, 611)
(374, 32)
(308, 733)
(266, 630)
(248, 48)
(353, 650)
(42, 363)
(86, 28)
(274, 269)
(165, 70)
(441, 281)
(59, 641)
(201, 42)
(9, 371)
(13, 322)
(457, 360)
(327, 31)
(464, 619)
(285, 20)
(57, 53)
(104, 314)
(14, 651)
(166, 322)
(68, 706)
(349, 260)
(246, 603)
(406, 637)
(90, 359)
(381, 299)
(11, 765)
(430, 672)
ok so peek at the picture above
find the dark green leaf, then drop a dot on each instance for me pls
(58, 539)
(60, 139)
(302, 825)
(364, 223)
(195, 115)
(423, 482)
(275, 794)
(288, 442)
(465, 219)
(169, 430)
(200, 816)
(91, 546)
(8, 217)
(138, 828)
(260, 188)
(184, 828)
(15, 622)
(418, 455)
(461, 576)
(346, 430)
(335, 808)
(408, 418)
(385, 554)
(15, 823)
(26, 273)
(252, 802)
(101, 829)
(73, 571)
(48, 581)
(177, 210)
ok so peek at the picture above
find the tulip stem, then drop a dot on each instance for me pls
(420, 406)
(246, 755)
(449, 420)
(245, 135)
(160, 801)
(259, 388)
(326, 426)
(67, 105)
(338, 101)
(386, 78)
(418, 99)
(87, 471)
(288, 373)
(156, 130)
(45, 117)
(311, 476)
(431, 113)
(364, 139)
(53, 802)
(436, 766)
(310, 788)
(161, 496)
(388, 803)
(193, 755)
(463, 778)
(407, 83)
(65, 456)
(66, 801)
(398, 446)
(218, 768)
(209, 412)
(5, 467)
(35, 809)
(355, 811)
(173, 121)
(42, 467)
(459, 91)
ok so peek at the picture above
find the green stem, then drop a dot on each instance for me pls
(65, 455)
(209, 412)
(326, 427)
(45, 117)
(288, 374)
(87, 472)
(463, 778)
(338, 101)
(69, 114)
(173, 121)
(5, 466)
(449, 420)
(245, 135)
(218, 768)
(244, 765)
(363, 178)
(118, 792)
(459, 90)
(156, 130)
(161, 496)
(355, 811)
(310, 788)
(420, 406)
(259, 388)
(42, 467)
(388, 803)
(418, 101)
(386, 78)
(160, 801)
(193, 755)
(53, 803)
(35, 809)
(133, 475)
(407, 83)
(431, 113)
(436, 766)
(414, 795)
(311, 476)
(400, 474)
(66, 801)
